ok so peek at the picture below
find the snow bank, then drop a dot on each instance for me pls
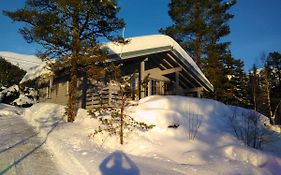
(161, 150)
(44, 115)
(8, 110)
(158, 106)
(214, 141)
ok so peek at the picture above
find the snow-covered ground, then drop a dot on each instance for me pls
(7, 110)
(210, 149)
(21, 151)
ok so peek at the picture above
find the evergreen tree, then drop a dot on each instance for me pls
(199, 26)
(9, 74)
(271, 86)
(67, 29)
(274, 62)
(237, 81)
(119, 123)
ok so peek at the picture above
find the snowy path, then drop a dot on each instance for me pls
(21, 150)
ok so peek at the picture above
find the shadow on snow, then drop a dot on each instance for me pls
(14, 163)
(118, 163)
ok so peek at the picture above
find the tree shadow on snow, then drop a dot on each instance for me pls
(118, 163)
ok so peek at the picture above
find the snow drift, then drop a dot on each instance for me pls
(7, 110)
(162, 150)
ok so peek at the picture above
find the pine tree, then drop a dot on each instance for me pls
(199, 26)
(9, 74)
(68, 29)
(119, 123)
(271, 86)
(274, 62)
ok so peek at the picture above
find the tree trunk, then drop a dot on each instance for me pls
(72, 103)
(122, 116)
(275, 112)
(267, 84)
(254, 93)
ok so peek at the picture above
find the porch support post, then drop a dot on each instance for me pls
(109, 94)
(49, 89)
(141, 78)
(199, 93)
(149, 88)
(177, 82)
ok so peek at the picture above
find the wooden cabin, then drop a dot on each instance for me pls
(171, 72)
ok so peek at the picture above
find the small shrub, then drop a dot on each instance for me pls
(112, 124)
(249, 129)
(194, 123)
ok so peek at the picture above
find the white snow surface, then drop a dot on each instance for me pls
(8, 110)
(23, 61)
(161, 150)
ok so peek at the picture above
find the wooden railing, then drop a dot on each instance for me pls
(107, 97)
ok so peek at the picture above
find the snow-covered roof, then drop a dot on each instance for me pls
(147, 42)
(35, 72)
(151, 44)
(23, 61)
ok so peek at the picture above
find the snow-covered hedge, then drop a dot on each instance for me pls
(18, 96)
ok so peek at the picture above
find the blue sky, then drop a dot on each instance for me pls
(256, 27)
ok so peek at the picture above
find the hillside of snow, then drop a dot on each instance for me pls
(203, 143)
(23, 61)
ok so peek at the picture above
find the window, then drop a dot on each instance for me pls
(133, 87)
(153, 87)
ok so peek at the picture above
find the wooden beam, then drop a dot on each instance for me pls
(196, 89)
(177, 82)
(168, 63)
(141, 78)
(163, 72)
(172, 70)
(173, 59)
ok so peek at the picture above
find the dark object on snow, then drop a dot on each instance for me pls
(174, 126)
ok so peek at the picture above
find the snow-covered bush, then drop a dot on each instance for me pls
(2, 88)
(18, 96)
(8, 95)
